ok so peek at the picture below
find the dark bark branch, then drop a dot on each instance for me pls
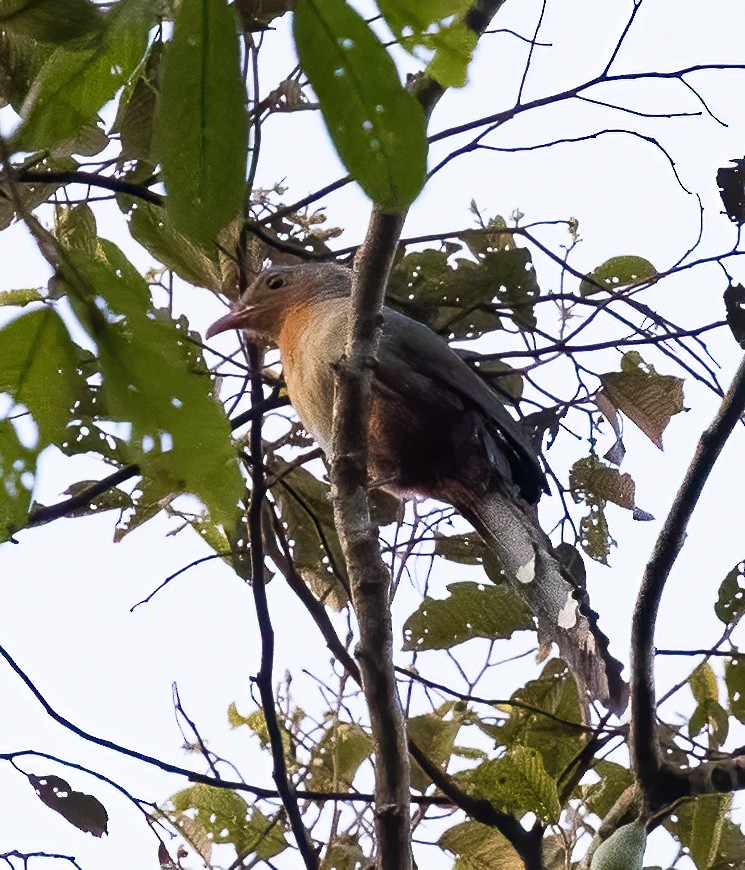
(45, 514)
(258, 585)
(91, 179)
(660, 783)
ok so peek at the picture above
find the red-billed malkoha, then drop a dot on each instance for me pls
(436, 430)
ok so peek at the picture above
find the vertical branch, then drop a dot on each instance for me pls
(648, 764)
(258, 584)
(255, 510)
(368, 576)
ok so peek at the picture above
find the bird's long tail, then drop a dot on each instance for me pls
(557, 597)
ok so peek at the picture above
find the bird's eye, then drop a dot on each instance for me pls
(274, 282)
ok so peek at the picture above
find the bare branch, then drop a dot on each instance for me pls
(659, 782)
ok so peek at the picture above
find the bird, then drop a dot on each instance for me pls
(436, 430)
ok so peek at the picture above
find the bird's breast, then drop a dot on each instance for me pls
(311, 341)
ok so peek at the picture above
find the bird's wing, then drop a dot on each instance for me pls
(406, 344)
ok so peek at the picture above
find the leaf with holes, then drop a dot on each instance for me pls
(464, 549)
(600, 797)
(544, 715)
(734, 679)
(225, 817)
(702, 826)
(471, 610)
(644, 396)
(337, 756)
(154, 378)
(517, 783)
(730, 606)
(590, 476)
(376, 125)
(82, 810)
(616, 273)
(435, 733)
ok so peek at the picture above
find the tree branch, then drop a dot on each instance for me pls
(258, 585)
(368, 576)
(659, 782)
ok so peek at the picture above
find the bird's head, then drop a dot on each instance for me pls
(279, 289)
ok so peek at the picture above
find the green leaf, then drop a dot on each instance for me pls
(471, 610)
(50, 20)
(435, 735)
(702, 826)
(454, 47)
(616, 273)
(377, 127)
(227, 818)
(464, 549)
(703, 683)
(545, 715)
(344, 853)
(601, 796)
(75, 227)
(434, 26)
(202, 125)
(20, 62)
(154, 378)
(39, 369)
(151, 226)
(73, 85)
(644, 396)
(17, 469)
(112, 499)
(135, 120)
(709, 712)
(734, 678)
(20, 297)
(337, 756)
(518, 783)
(480, 847)
(464, 299)
(595, 536)
(730, 606)
(211, 534)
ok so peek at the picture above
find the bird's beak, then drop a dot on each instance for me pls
(234, 319)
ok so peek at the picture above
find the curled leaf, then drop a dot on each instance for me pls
(647, 398)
